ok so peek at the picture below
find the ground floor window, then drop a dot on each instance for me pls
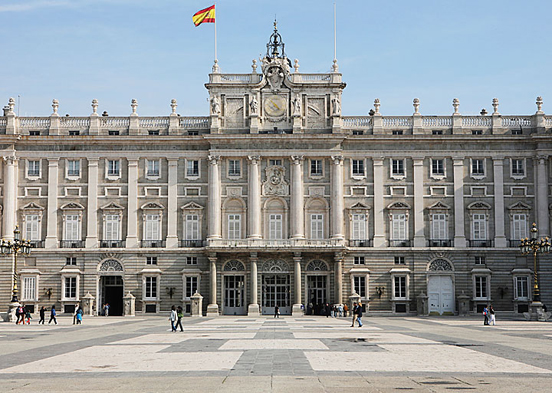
(399, 287)
(521, 288)
(481, 287)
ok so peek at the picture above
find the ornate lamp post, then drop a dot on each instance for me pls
(535, 246)
(17, 246)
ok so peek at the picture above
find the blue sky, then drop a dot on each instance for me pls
(395, 50)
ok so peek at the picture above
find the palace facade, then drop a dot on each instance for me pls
(276, 198)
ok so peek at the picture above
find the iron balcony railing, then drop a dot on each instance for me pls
(191, 243)
(480, 243)
(399, 243)
(153, 243)
(112, 244)
(71, 243)
(361, 243)
(440, 243)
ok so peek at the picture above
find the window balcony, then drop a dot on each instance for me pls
(275, 244)
(440, 243)
(361, 243)
(515, 243)
(191, 243)
(480, 243)
(71, 243)
(112, 244)
(37, 243)
(153, 243)
(399, 243)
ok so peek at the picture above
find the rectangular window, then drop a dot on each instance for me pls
(192, 227)
(34, 133)
(113, 168)
(317, 226)
(399, 261)
(360, 285)
(400, 287)
(234, 226)
(191, 260)
(70, 287)
(437, 132)
(153, 132)
(398, 230)
(74, 132)
(481, 287)
(522, 288)
(72, 227)
(359, 226)
(397, 167)
(439, 227)
(73, 167)
(479, 227)
(71, 261)
(112, 227)
(518, 168)
(477, 132)
(151, 260)
(113, 132)
(151, 288)
(275, 223)
(438, 167)
(479, 260)
(519, 226)
(275, 162)
(29, 288)
(316, 168)
(33, 168)
(32, 227)
(191, 286)
(152, 227)
(358, 260)
(358, 167)
(397, 132)
(234, 168)
(153, 168)
(478, 167)
(192, 168)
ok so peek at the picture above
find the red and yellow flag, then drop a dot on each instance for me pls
(204, 16)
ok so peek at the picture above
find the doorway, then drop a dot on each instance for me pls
(276, 292)
(111, 292)
(441, 294)
(234, 293)
(317, 294)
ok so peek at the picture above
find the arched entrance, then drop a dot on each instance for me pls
(440, 287)
(110, 287)
(234, 288)
(317, 286)
(276, 287)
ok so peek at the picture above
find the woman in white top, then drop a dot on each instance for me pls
(172, 318)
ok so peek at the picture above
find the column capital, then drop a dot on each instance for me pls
(213, 160)
(132, 161)
(542, 158)
(254, 160)
(93, 161)
(418, 161)
(172, 161)
(458, 160)
(53, 161)
(10, 160)
(253, 256)
(498, 160)
(296, 160)
(378, 161)
(337, 160)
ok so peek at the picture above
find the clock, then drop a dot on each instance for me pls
(275, 105)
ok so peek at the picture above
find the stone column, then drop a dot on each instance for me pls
(132, 203)
(542, 197)
(338, 261)
(498, 169)
(297, 310)
(459, 232)
(297, 198)
(172, 216)
(52, 219)
(92, 210)
(254, 199)
(419, 236)
(253, 309)
(214, 229)
(379, 229)
(337, 197)
(212, 308)
(10, 196)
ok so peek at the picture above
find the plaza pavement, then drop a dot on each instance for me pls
(290, 354)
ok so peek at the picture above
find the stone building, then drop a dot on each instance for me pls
(275, 198)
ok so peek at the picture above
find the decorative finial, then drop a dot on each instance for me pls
(416, 104)
(134, 105)
(335, 67)
(11, 104)
(456, 104)
(95, 106)
(173, 106)
(254, 66)
(495, 106)
(275, 46)
(539, 104)
(296, 65)
(216, 67)
(377, 105)
(55, 106)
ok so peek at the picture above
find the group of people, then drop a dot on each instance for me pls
(176, 318)
(105, 310)
(23, 315)
(335, 310)
(489, 316)
(357, 314)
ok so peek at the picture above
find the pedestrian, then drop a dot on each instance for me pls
(276, 312)
(80, 312)
(179, 315)
(353, 312)
(485, 315)
(492, 312)
(359, 314)
(106, 309)
(327, 310)
(340, 310)
(42, 315)
(345, 310)
(172, 318)
(20, 313)
(75, 315)
(28, 317)
(53, 315)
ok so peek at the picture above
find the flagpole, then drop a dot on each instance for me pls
(335, 33)
(216, 31)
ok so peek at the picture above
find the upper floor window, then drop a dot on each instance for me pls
(358, 260)
(191, 260)
(153, 132)
(399, 261)
(275, 223)
(113, 168)
(153, 168)
(192, 168)
(316, 168)
(397, 168)
(479, 226)
(112, 224)
(151, 260)
(398, 227)
(477, 132)
(71, 261)
(275, 162)
(234, 226)
(477, 167)
(397, 132)
(33, 168)
(519, 226)
(438, 227)
(357, 168)
(74, 132)
(317, 226)
(113, 132)
(234, 168)
(479, 260)
(437, 132)
(73, 168)
(72, 227)
(152, 227)
(32, 227)
(437, 167)
(192, 227)
(518, 168)
(359, 226)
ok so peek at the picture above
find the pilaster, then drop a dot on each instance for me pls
(52, 213)
(419, 236)
(10, 196)
(297, 198)
(132, 203)
(92, 202)
(172, 216)
(254, 198)
(379, 228)
(498, 174)
(459, 230)
(337, 197)
(543, 216)
(214, 218)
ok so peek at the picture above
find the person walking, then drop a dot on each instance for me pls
(179, 315)
(20, 314)
(359, 314)
(53, 315)
(345, 310)
(492, 312)
(106, 309)
(340, 310)
(28, 317)
(42, 315)
(354, 314)
(485, 315)
(172, 318)
(80, 312)
(276, 312)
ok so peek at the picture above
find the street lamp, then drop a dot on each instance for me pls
(17, 246)
(535, 246)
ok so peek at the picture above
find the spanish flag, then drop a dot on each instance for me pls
(204, 16)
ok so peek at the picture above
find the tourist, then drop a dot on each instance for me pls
(359, 314)
(42, 315)
(179, 315)
(20, 313)
(28, 317)
(486, 316)
(327, 310)
(53, 315)
(354, 314)
(79, 315)
(340, 310)
(276, 312)
(172, 318)
(106, 309)
(492, 312)
(345, 310)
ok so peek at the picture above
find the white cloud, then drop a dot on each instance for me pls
(30, 5)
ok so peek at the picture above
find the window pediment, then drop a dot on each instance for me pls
(72, 206)
(479, 206)
(399, 206)
(359, 206)
(520, 206)
(439, 206)
(152, 206)
(30, 206)
(192, 206)
(112, 206)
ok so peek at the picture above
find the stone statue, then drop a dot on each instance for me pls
(297, 105)
(336, 106)
(254, 104)
(215, 105)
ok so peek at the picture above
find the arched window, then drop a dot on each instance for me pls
(317, 265)
(234, 266)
